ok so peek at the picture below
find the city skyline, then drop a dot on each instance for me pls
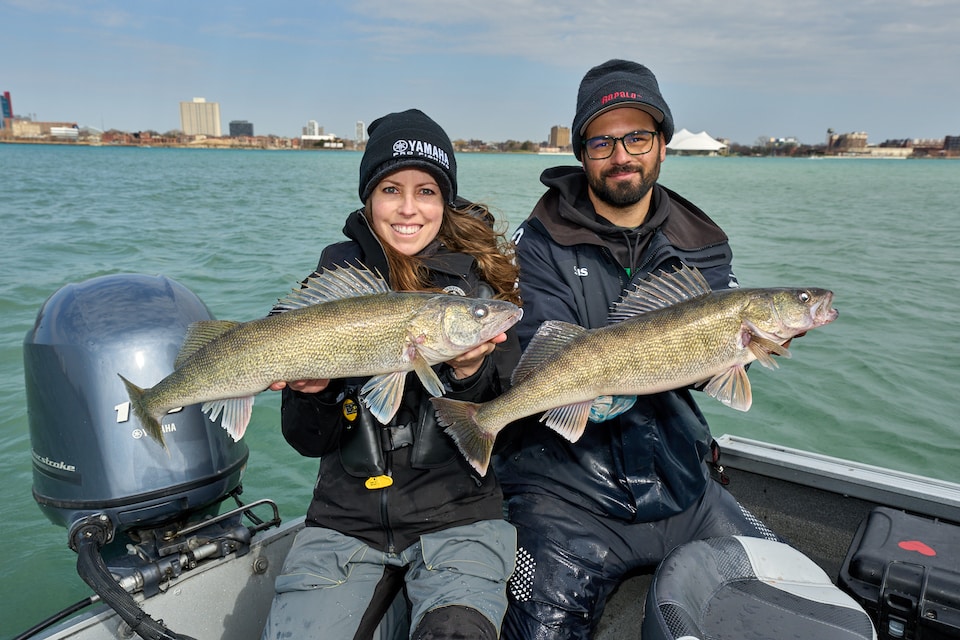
(742, 70)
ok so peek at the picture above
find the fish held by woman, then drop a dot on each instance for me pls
(343, 322)
(668, 332)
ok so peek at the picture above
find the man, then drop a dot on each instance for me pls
(638, 482)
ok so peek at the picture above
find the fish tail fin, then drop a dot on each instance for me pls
(149, 423)
(459, 420)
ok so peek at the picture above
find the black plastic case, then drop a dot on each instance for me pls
(905, 571)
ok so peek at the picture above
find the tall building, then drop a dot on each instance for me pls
(6, 108)
(200, 118)
(361, 132)
(846, 142)
(559, 136)
(241, 128)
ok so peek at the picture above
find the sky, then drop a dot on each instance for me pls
(487, 69)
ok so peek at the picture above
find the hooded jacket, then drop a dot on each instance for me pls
(648, 463)
(429, 485)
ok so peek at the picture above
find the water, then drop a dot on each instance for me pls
(239, 228)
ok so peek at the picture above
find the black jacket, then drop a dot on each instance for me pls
(433, 488)
(646, 464)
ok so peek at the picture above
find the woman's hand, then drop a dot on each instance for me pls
(467, 364)
(303, 386)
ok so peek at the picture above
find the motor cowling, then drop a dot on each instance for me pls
(91, 456)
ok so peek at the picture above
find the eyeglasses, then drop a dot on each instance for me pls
(636, 143)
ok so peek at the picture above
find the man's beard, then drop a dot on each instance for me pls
(623, 194)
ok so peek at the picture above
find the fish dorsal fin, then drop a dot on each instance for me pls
(336, 283)
(660, 292)
(199, 334)
(552, 336)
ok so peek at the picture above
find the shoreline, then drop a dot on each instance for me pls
(263, 147)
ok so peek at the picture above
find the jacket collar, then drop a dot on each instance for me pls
(569, 216)
(435, 255)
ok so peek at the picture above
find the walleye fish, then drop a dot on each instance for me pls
(344, 322)
(668, 332)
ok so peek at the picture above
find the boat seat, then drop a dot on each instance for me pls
(739, 588)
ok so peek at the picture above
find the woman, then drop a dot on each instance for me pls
(396, 506)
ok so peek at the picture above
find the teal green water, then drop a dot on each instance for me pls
(239, 228)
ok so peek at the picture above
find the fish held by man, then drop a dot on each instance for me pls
(344, 322)
(668, 332)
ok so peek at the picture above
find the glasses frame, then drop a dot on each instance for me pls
(615, 140)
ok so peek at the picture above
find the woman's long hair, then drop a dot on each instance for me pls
(467, 228)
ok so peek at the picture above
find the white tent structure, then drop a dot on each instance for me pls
(684, 141)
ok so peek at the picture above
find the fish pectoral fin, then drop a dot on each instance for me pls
(428, 377)
(762, 348)
(382, 394)
(570, 420)
(732, 388)
(236, 414)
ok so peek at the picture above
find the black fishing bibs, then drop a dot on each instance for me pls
(365, 443)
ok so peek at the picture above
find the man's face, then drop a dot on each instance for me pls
(623, 180)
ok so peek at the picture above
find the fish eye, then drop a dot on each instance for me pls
(480, 312)
(804, 296)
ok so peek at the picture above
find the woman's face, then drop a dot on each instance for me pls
(407, 209)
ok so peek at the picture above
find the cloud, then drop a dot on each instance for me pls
(796, 45)
(497, 69)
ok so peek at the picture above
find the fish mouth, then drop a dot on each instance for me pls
(495, 328)
(822, 312)
(510, 320)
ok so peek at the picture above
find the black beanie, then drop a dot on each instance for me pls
(619, 83)
(408, 139)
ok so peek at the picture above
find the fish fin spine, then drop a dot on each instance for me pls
(335, 283)
(659, 292)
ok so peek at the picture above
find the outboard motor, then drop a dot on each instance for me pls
(90, 454)
(95, 471)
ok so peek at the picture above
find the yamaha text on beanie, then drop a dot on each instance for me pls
(408, 139)
(619, 83)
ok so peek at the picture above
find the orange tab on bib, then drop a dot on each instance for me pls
(378, 482)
